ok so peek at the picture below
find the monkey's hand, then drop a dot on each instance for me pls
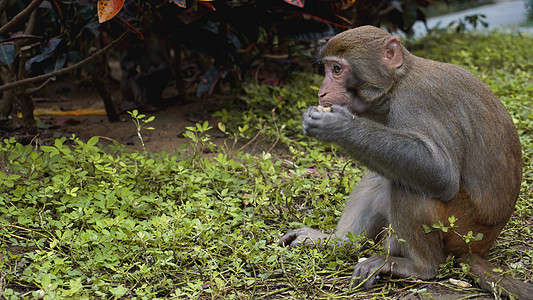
(367, 271)
(303, 236)
(327, 125)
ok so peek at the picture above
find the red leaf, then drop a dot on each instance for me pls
(107, 9)
(208, 4)
(180, 3)
(57, 9)
(345, 4)
(183, 3)
(299, 3)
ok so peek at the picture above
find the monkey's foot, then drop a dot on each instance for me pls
(367, 271)
(303, 236)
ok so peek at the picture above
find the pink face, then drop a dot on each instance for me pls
(333, 91)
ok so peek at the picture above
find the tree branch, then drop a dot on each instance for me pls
(37, 88)
(62, 71)
(3, 7)
(21, 16)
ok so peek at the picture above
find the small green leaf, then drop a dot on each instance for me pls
(46, 281)
(189, 135)
(452, 219)
(222, 127)
(118, 291)
(92, 141)
(58, 143)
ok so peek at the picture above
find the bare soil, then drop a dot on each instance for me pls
(75, 96)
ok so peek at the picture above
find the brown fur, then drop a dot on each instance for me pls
(439, 144)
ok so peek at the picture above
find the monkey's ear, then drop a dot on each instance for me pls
(393, 52)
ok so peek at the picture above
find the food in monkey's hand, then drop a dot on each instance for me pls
(323, 108)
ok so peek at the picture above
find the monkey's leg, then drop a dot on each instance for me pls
(367, 208)
(419, 254)
(366, 211)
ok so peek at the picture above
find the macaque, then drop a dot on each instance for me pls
(438, 143)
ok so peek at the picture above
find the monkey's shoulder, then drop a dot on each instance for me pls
(434, 70)
(447, 84)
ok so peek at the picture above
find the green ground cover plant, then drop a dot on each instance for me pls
(79, 220)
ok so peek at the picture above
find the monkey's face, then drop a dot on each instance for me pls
(337, 87)
(360, 68)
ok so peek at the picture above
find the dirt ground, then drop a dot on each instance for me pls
(70, 97)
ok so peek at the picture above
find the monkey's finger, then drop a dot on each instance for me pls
(343, 111)
(354, 282)
(314, 113)
(295, 243)
(308, 111)
(365, 279)
(370, 282)
(305, 129)
(362, 274)
(288, 239)
(309, 125)
(312, 131)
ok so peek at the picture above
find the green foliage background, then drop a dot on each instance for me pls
(79, 220)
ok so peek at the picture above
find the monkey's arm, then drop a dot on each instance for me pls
(410, 158)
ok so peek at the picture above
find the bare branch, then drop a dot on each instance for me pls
(21, 16)
(30, 26)
(3, 6)
(37, 88)
(62, 71)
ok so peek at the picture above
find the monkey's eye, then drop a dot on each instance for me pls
(336, 69)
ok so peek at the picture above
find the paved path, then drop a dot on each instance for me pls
(502, 14)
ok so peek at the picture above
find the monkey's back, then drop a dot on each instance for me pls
(473, 127)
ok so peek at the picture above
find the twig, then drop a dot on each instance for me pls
(20, 228)
(3, 20)
(2, 284)
(249, 142)
(21, 16)
(14, 235)
(277, 130)
(38, 88)
(62, 71)
(106, 138)
(30, 26)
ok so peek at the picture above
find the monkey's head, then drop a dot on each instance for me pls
(361, 65)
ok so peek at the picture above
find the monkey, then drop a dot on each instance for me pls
(437, 142)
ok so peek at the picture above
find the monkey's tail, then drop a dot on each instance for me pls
(494, 283)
